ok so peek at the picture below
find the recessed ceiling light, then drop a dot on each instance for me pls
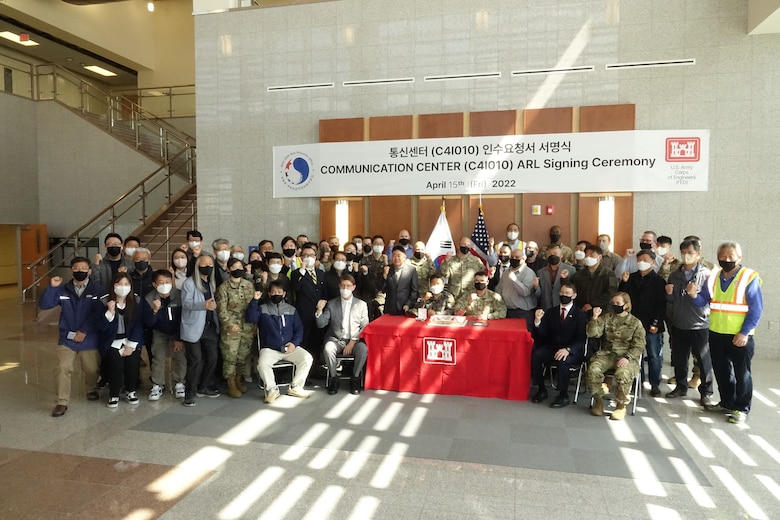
(8, 35)
(100, 70)
(150, 6)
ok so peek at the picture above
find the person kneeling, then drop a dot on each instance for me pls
(281, 332)
(622, 341)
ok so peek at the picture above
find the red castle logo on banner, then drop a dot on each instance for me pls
(683, 149)
(439, 351)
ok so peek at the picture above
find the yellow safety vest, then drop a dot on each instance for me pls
(728, 308)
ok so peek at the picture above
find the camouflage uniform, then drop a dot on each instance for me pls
(425, 269)
(620, 337)
(233, 297)
(488, 306)
(460, 272)
(442, 303)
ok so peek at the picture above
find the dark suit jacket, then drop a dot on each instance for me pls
(307, 294)
(493, 282)
(571, 333)
(402, 291)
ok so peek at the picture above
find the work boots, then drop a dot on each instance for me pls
(233, 390)
(597, 408)
(695, 380)
(620, 408)
(240, 382)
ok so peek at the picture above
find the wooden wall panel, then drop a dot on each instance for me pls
(496, 122)
(389, 215)
(340, 130)
(605, 118)
(588, 221)
(389, 127)
(537, 227)
(328, 216)
(548, 120)
(440, 125)
(428, 211)
(499, 213)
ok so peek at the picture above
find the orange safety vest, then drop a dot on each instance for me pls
(728, 308)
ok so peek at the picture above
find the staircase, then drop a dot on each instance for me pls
(168, 229)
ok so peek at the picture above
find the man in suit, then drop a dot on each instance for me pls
(400, 284)
(308, 285)
(503, 267)
(346, 316)
(559, 337)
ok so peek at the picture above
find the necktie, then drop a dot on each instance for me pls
(313, 276)
(563, 314)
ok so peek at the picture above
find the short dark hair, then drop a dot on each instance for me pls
(112, 235)
(399, 248)
(646, 252)
(194, 233)
(130, 238)
(585, 242)
(685, 244)
(272, 255)
(435, 276)
(264, 242)
(288, 238)
(570, 286)
(346, 277)
(278, 284)
(79, 260)
(161, 272)
(663, 239)
(590, 248)
(377, 236)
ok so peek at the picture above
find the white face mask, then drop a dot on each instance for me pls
(164, 288)
(239, 256)
(308, 262)
(193, 244)
(358, 243)
(345, 293)
(590, 261)
(339, 265)
(223, 256)
(378, 249)
(180, 262)
(275, 268)
(129, 252)
(643, 266)
(512, 235)
(122, 290)
(579, 255)
(662, 250)
(437, 289)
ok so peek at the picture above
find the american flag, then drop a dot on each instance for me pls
(479, 237)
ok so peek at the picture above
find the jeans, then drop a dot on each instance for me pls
(654, 353)
(732, 371)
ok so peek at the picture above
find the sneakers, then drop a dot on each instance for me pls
(207, 392)
(271, 396)
(113, 402)
(189, 402)
(156, 393)
(298, 391)
(178, 390)
(132, 397)
(737, 417)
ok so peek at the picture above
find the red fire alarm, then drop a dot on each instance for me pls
(24, 37)
(549, 210)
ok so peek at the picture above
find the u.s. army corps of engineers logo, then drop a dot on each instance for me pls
(297, 170)
(439, 351)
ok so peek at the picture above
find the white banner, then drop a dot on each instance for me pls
(641, 160)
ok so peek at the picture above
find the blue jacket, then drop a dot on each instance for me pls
(133, 330)
(278, 324)
(77, 313)
(168, 318)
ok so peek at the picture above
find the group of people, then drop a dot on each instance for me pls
(308, 304)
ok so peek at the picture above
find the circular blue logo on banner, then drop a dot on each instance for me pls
(296, 170)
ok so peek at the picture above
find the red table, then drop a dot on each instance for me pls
(406, 355)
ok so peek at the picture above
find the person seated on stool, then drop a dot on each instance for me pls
(437, 300)
(559, 337)
(622, 342)
(481, 303)
(347, 317)
(281, 332)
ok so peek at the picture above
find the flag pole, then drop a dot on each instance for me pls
(442, 204)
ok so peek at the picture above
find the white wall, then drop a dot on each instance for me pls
(731, 90)
(18, 157)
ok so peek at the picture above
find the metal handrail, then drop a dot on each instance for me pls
(194, 212)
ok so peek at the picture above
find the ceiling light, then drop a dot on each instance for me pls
(8, 35)
(100, 70)
(150, 6)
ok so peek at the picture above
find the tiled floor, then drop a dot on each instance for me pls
(377, 455)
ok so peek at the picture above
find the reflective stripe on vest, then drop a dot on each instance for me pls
(728, 308)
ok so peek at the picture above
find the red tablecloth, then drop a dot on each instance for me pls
(407, 355)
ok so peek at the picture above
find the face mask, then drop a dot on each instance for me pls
(579, 255)
(256, 265)
(350, 257)
(276, 298)
(464, 249)
(193, 244)
(727, 266)
(345, 293)
(512, 235)
(141, 266)
(237, 273)
(643, 266)
(358, 243)
(205, 270)
(514, 262)
(223, 256)
(662, 250)
(180, 262)
(604, 246)
(503, 259)
(114, 250)
(617, 309)
(555, 237)
(566, 300)
(238, 256)
(590, 261)
(367, 249)
(289, 253)
(644, 246)
(275, 268)
(689, 258)
(529, 253)
(403, 241)
(129, 252)
(164, 288)
(378, 249)
(553, 259)
(437, 289)
(80, 276)
(308, 262)
(122, 290)
(418, 255)
(339, 265)
(480, 285)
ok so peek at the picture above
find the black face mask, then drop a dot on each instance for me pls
(480, 285)
(276, 298)
(334, 249)
(403, 241)
(555, 237)
(553, 259)
(367, 249)
(141, 266)
(256, 264)
(114, 250)
(80, 276)
(727, 266)
(514, 262)
(617, 309)
(644, 246)
(464, 249)
(205, 270)
(266, 254)
(350, 257)
(237, 273)
(289, 253)
(529, 253)
(566, 300)
(418, 255)
(503, 258)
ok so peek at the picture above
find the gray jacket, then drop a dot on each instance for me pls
(193, 314)
(685, 314)
(550, 292)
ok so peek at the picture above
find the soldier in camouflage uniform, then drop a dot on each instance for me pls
(622, 342)
(437, 300)
(459, 270)
(423, 265)
(372, 278)
(236, 335)
(481, 303)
